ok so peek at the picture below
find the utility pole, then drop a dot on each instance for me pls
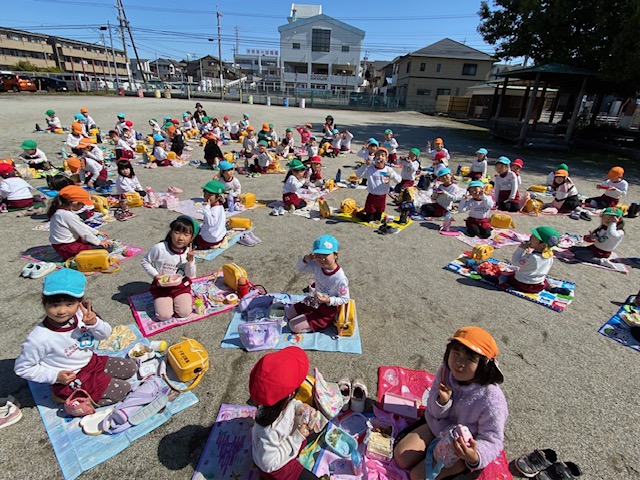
(124, 43)
(218, 14)
(113, 55)
(106, 56)
(133, 44)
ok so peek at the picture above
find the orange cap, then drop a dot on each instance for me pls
(561, 173)
(478, 340)
(171, 130)
(438, 141)
(74, 164)
(615, 172)
(265, 126)
(76, 127)
(84, 143)
(250, 128)
(84, 110)
(76, 194)
(383, 149)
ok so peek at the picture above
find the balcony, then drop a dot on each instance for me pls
(321, 79)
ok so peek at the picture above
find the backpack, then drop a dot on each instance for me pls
(95, 260)
(348, 205)
(231, 272)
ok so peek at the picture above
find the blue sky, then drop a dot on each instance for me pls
(163, 28)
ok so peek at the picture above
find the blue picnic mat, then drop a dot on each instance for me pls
(617, 329)
(326, 340)
(77, 452)
(232, 239)
(49, 192)
(547, 299)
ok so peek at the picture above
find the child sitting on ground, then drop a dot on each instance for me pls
(177, 140)
(121, 123)
(438, 146)
(172, 256)
(565, 194)
(212, 153)
(516, 167)
(334, 150)
(262, 160)
(231, 184)
(16, 194)
(605, 239)
(465, 391)
(391, 144)
(274, 136)
(345, 141)
(293, 183)
(506, 197)
(265, 134)
(479, 206)
(312, 147)
(281, 422)
(288, 134)
(214, 231)
(315, 178)
(74, 137)
(440, 162)
(533, 259)
(33, 156)
(90, 122)
(368, 150)
(160, 151)
(410, 167)
(68, 235)
(378, 178)
(445, 192)
(93, 172)
(329, 291)
(155, 127)
(284, 150)
(121, 145)
(127, 181)
(478, 168)
(53, 122)
(305, 133)
(250, 143)
(59, 350)
(552, 173)
(615, 187)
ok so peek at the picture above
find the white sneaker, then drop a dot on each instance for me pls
(247, 241)
(275, 212)
(281, 211)
(253, 236)
(9, 411)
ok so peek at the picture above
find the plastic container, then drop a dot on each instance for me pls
(303, 103)
(198, 304)
(380, 441)
(285, 101)
(355, 424)
(268, 101)
(232, 203)
(170, 280)
(340, 442)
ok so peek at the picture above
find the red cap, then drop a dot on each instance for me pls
(519, 162)
(6, 168)
(175, 121)
(277, 375)
(316, 159)
(129, 123)
(439, 156)
(226, 117)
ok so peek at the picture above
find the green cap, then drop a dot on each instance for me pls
(168, 124)
(388, 131)
(271, 125)
(562, 166)
(616, 212)
(296, 165)
(288, 130)
(214, 186)
(49, 112)
(206, 119)
(194, 222)
(548, 235)
(263, 142)
(29, 145)
(415, 151)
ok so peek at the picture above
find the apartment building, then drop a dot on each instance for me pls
(258, 64)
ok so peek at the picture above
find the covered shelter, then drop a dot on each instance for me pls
(541, 121)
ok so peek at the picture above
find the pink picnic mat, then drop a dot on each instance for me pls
(412, 384)
(211, 289)
(46, 253)
(500, 237)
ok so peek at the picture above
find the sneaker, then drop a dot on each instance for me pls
(275, 212)
(345, 389)
(39, 270)
(358, 396)
(9, 411)
(3, 208)
(585, 215)
(254, 237)
(535, 462)
(403, 217)
(575, 215)
(247, 241)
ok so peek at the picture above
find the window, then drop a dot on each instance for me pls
(469, 69)
(425, 93)
(345, 48)
(320, 40)
(438, 67)
(295, 46)
(423, 66)
(408, 67)
(444, 91)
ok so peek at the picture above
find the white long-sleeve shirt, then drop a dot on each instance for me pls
(73, 141)
(433, 151)
(66, 227)
(54, 122)
(122, 144)
(46, 352)
(232, 188)
(159, 153)
(609, 239)
(214, 227)
(15, 188)
(378, 179)
(532, 267)
(335, 142)
(479, 167)
(409, 169)
(94, 154)
(334, 284)
(160, 260)
(345, 142)
(477, 208)
(292, 185)
(250, 145)
(365, 155)
(508, 182)
(275, 445)
(565, 190)
(38, 157)
(90, 122)
(264, 159)
(620, 191)
(448, 195)
(391, 145)
(126, 184)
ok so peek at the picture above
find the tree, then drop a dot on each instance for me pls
(600, 35)
(27, 66)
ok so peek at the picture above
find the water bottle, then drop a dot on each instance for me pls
(338, 175)
(459, 170)
(232, 203)
(446, 224)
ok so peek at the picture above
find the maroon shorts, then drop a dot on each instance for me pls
(598, 252)
(503, 196)
(406, 183)
(393, 158)
(609, 201)
(291, 471)
(291, 199)
(475, 175)
(68, 250)
(158, 292)
(93, 377)
(318, 318)
(375, 203)
(202, 244)
(23, 203)
(526, 287)
(480, 222)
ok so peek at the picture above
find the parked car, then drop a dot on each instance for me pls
(53, 84)
(17, 83)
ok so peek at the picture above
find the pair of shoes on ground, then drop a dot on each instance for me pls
(354, 395)
(38, 269)
(277, 211)
(578, 214)
(123, 215)
(249, 239)
(9, 411)
(544, 465)
(254, 174)
(386, 229)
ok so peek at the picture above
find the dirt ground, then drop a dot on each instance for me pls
(568, 387)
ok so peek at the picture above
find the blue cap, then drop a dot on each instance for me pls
(504, 160)
(158, 137)
(372, 141)
(66, 282)
(483, 151)
(245, 115)
(444, 171)
(325, 244)
(167, 117)
(224, 165)
(312, 137)
(121, 115)
(185, 114)
(475, 183)
(79, 116)
(335, 130)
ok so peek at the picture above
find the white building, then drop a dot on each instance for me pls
(319, 52)
(262, 64)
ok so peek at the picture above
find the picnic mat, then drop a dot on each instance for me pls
(326, 340)
(348, 218)
(614, 263)
(77, 452)
(618, 330)
(211, 288)
(499, 238)
(227, 453)
(232, 238)
(95, 221)
(49, 192)
(547, 299)
(46, 253)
